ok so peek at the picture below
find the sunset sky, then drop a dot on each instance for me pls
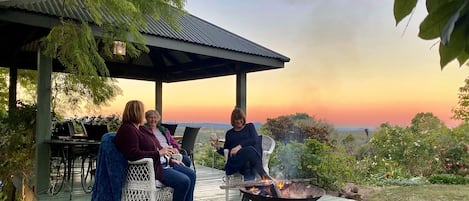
(350, 66)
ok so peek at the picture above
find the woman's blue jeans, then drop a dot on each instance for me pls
(182, 180)
(186, 160)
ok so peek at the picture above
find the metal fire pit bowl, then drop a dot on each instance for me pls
(299, 191)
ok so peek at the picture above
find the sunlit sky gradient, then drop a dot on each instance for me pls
(350, 66)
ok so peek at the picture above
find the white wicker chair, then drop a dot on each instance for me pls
(268, 146)
(140, 183)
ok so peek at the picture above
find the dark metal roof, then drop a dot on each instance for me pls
(198, 45)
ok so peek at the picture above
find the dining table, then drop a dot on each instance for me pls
(69, 149)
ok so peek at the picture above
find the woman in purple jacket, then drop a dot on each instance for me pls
(153, 118)
(135, 142)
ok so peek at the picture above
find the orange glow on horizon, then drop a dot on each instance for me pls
(339, 116)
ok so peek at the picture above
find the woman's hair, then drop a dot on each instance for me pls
(133, 112)
(237, 114)
(152, 112)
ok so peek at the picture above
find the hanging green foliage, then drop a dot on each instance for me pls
(447, 20)
(82, 50)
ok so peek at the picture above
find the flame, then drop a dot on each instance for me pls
(254, 190)
(265, 180)
(280, 184)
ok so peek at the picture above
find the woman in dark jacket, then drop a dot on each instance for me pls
(136, 142)
(241, 142)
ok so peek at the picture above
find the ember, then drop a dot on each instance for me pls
(282, 190)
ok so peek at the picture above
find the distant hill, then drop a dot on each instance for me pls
(227, 126)
(210, 125)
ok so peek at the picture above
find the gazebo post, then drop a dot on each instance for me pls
(241, 90)
(43, 123)
(12, 89)
(159, 97)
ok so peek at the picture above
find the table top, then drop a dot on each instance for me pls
(73, 142)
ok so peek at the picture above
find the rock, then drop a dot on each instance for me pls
(350, 191)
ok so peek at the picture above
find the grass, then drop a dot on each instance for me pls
(421, 193)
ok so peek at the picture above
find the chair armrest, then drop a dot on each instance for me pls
(265, 160)
(141, 161)
(141, 175)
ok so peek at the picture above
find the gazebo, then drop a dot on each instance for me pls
(199, 50)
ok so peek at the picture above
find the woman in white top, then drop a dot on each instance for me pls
(163, 135)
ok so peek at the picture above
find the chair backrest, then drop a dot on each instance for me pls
(64, 129)
(110, 172)
(268, 146)
(95, 132)
(188, 139)
(171, 128)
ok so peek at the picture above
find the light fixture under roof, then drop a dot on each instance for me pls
(119, 48)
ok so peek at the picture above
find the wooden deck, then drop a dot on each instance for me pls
(207, 188)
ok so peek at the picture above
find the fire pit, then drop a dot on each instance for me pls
(281, 191)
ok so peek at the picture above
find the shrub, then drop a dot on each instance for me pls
(402, 181)
(405, 149)
(453, 156)
(314, 160)
(207, 156)
(448, 179)
(17, 144)
(298, 127)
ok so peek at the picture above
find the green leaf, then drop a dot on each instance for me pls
(402, 8)
(462, 58)
(432, 25)
(455, 46)
(449, 26)
(464, 55)
(433, 5)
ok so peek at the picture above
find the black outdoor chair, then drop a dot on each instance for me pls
(188, 142)
(94, 132)
(171, 128)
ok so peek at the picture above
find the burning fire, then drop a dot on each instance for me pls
(254, 190)
(283, 189)
(280, 184)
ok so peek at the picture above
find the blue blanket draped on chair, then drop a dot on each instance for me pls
(110, 171)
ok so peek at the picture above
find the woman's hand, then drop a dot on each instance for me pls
(166, 151)
(215, 144)
(235, 150)
(177, 162)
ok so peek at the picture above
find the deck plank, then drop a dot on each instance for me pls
(207, 188)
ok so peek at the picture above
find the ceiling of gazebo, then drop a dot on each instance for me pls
(199, 50)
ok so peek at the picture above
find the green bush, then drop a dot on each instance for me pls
(402, 148)
(453, 156)
(207, 156)
(448, 179)
(298, 127)
(314, 160)
(401, 181)
(17, 144)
